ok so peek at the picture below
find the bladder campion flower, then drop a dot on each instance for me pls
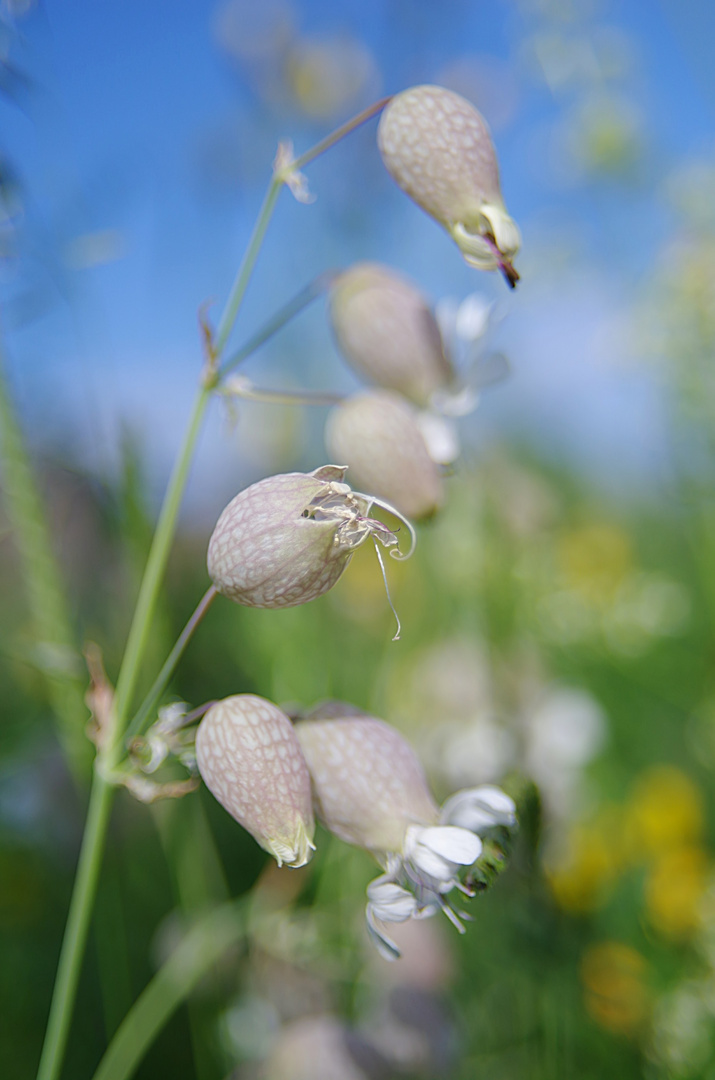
(287, 539)
(251, 762)
(369, 789)
(378, 434)
(437, 147)
(386, 331)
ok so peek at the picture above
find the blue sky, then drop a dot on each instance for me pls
(143, 145)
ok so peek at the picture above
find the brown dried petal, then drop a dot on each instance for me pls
(251, 761)
(386, 331)
(368, 784)
(377, 434)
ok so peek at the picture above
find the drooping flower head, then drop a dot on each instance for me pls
(378, 434)
(387, 332)
(369, 789)
(251, 762)
(437, 147)
(287, 539)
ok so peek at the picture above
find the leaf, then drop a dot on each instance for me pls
(202, 947)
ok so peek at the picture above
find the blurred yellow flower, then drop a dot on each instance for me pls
(581, 872)
(595, 560)
(664, 811)
(674, 890)
(615, 992)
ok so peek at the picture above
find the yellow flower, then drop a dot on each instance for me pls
(615, 994)
(665, 811)
(581, 874)
(674, 890)
(595, 559)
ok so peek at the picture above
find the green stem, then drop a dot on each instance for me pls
(301, 300)
(340, 133)
(148, 706)
(205, 944)
(245, 270)
(153, 576)
(246, 390)
(74, 941)
(68, 969)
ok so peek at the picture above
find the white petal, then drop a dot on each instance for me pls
(472, 317)
(384, 945)
(479, 808)
(390, 902)
(457, 845)
(438, 852)
(441, 437)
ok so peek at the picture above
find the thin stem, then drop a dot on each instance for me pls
(75, 938)
(340, 133)
(300, 301)
(244, 388)
(148, 706)
(68, 968)
(153, 575)
(245, 270)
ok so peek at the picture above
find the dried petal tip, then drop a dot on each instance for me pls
(437, 147)
(251, 762)
(287, 539)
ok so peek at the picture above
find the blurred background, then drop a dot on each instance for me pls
(558, 618)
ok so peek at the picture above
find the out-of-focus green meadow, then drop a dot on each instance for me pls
(551, 638)
(558, 639)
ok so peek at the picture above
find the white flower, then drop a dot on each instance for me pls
(370, 790)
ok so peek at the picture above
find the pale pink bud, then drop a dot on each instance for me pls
(287, 539)
(378, 435)
(437, 147)
(386, 331)
(368, 783)
(251, 762)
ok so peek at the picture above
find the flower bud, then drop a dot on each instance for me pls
(378, 435)
(368, 784)
(386, 331)
(287, 539)
(437, 147)
(251, 762)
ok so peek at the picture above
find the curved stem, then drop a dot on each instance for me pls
(150, 701)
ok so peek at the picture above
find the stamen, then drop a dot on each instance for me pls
(387, 590)
(371, 501)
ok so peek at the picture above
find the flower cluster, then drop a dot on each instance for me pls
(288, 539)
(368, 788)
